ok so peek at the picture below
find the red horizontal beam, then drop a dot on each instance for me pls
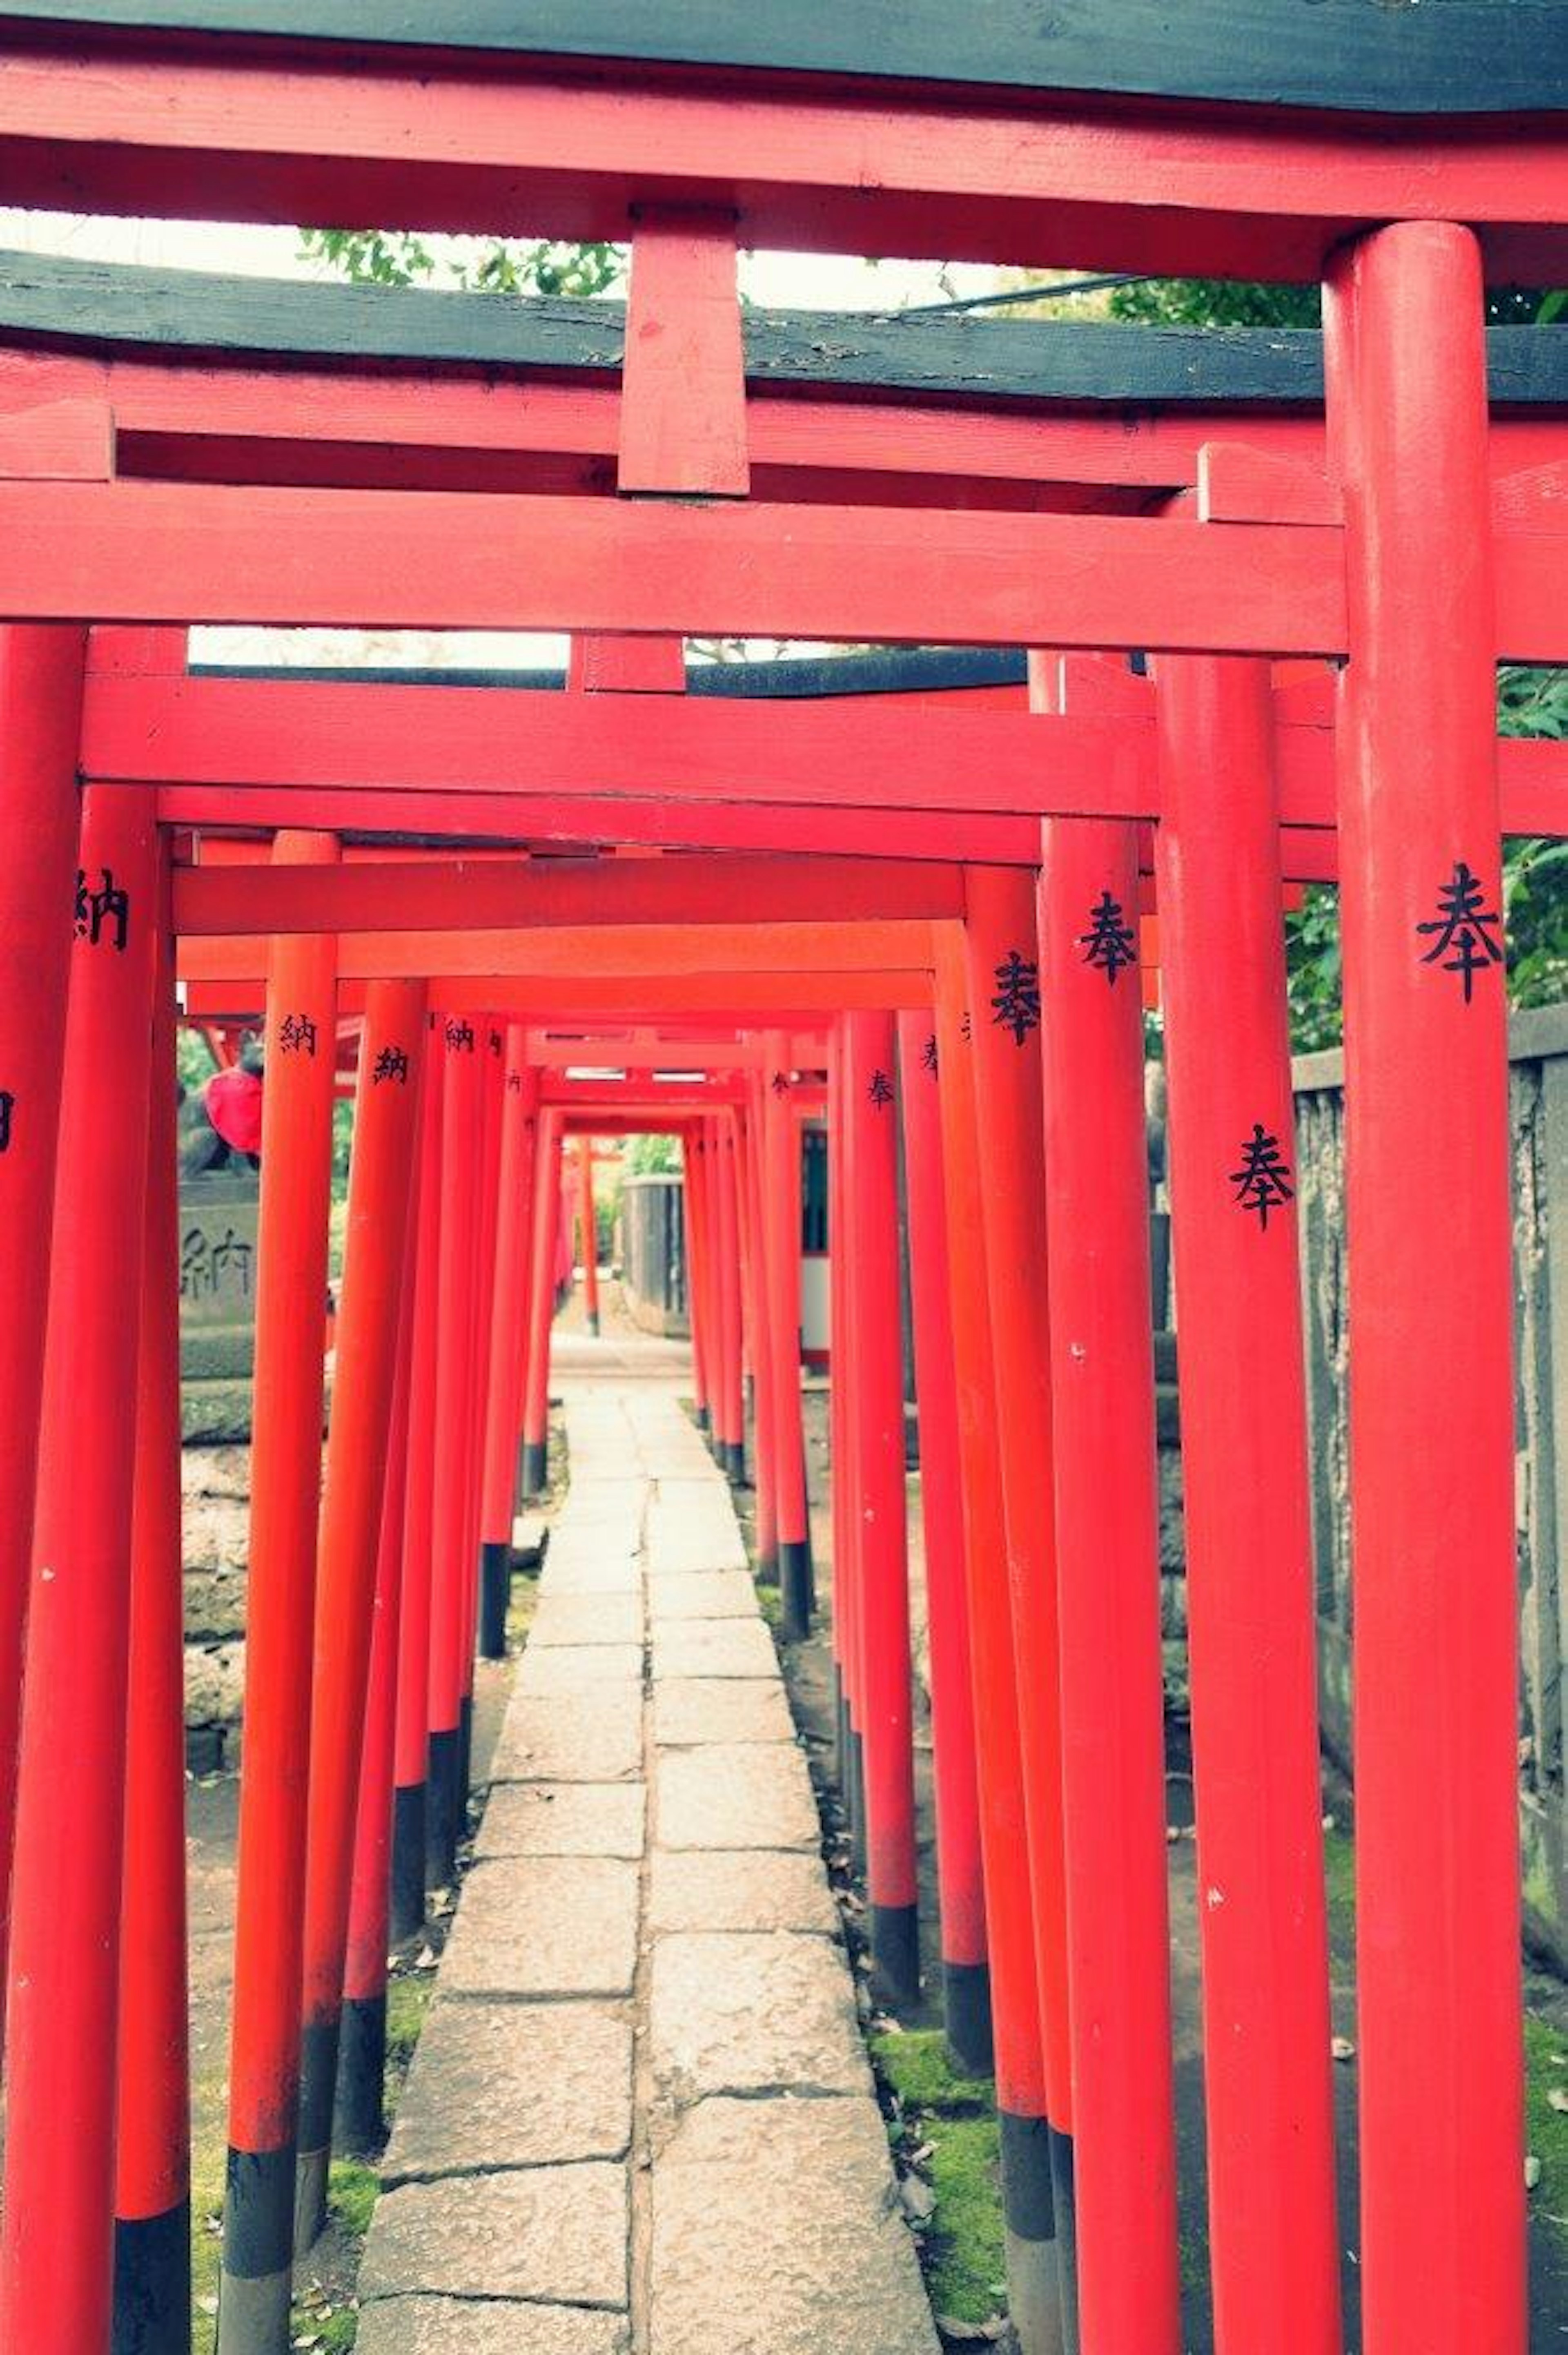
(674, 952)
(791, 999)
(220, 134)
(480, 895)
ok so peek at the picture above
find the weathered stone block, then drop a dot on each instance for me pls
(732, 2013)
(713, 1648)
(721, 1709)
(749, 1890)
(563, 1819)
(564, 1618)
(215, 1683)
(568, 1667)
(451, 2326)
(593, 1736)
(704, 1594)
(545, 1925)
(737, 1795)
(555, 2232)
(496, 2085)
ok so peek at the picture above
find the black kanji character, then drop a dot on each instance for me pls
(1016, 1006)
(94, 909)
(966, 1029)
(495, 1043)
(1264, 1177)
(880, 1089)
(780, 1083)
(928, 1054)
(297, 1035)
(7, 1106)
(459, 1037)
(1462, 925)
(515, 1084)
(391, 1063)
(1110, 942)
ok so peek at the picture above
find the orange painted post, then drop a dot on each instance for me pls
(151, 2200)
(780, 1231)
(965, 1988)
(542, 1304)
(693, 1160)
(754, 1293)
(56, 2233)
(1252, 1665)
(1003, 966)
(1431, 1382)
(846, 1641)
(461, 1071)
(40, 724)
(285, 1477)
(1033, 2294)
(1107, 1580)
(380, 1184)
(520, 1092)
(733, 1442)
(587, 1220)
(876, 1413)
(482, 1326)
(358, 2120)
(410, 1796)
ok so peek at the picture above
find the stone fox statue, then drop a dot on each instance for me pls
(221, 1122)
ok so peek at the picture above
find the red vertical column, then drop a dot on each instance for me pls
(1108, 1581)
(876, 1407)
(380, 1182)
(1003, 966)
(693, 1159)
(462, 1145)
(482, 1326)
(728, 1191)
(40, 725)
(587, 1218)
(1427, 1216)
(509, 1321)
(285, 1487)
(960, 1881)
(1033, 2297)
(541, 1305)
(56, 2236)
(748, 1173)
(151, 2200)
(846, 1524)
(410, 1791)
(1251, 1653)
(780, 1154)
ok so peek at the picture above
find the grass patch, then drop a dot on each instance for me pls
(1340, 1878)
(1546, 2129)
(950, 2120)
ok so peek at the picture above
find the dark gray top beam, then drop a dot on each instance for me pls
(1361, 56)
(191, 315)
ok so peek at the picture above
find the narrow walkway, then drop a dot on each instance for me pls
(640, 2120)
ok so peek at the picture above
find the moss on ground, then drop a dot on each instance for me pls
(945, 2125)
(1546, 2124)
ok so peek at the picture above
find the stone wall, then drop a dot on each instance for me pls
(1538, 1140)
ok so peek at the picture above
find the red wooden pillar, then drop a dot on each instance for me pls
(733, 1458)
(960, 1881)
(1033, 2297)
(876, 1407)
(1437, 1728)
(56, 2237)
(722, 1437)
(152, 2201)
(1004, 994)
(40, 716)
(410, 1790)
(1108, 1581)
(779, 1154)
(693, 1156)
(846, 1533)
(381, 1177)
(358, 2121)
(587, 1218)
(1274, 2246)
(459, 1058)
(509, 1322)
(759, 1347)
(285, 1487)
(481, 1330)
(541, 1305)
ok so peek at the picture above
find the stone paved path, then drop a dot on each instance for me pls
(640, 2120)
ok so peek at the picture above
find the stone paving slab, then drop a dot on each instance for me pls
(568, 1667)
(451, 2326)
(736, 1795)
(563, 1819)
(596, 1573)
(713, 1648)
(565, 1617)
(594, 1736)
(704, 1594)
(536, 1926)
(555, 2232)
(796, 2199)
(689, 1709)
(750, 1890)
(499, 2085)
(735, 2013)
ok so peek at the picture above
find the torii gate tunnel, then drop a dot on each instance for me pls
(1166, 625)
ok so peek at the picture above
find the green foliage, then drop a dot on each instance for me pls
(651, 1157)
(1233, 303)
(402, 258)
(951, 2122)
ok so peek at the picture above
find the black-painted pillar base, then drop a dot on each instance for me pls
(495, 1599)
(733, 1462)
(966, 2013)
(1034, 2293)
(895, 1954)
(703, 1419)
(840, 1736)
(856, 1796)
(318, 2082)
(1064, 2197)
(795, 1587)
(443, 1811)
(406, 1908)
(535, 1467)
(359, 2114)
(593, 1322)
(256, 2289)
(465, 1760)
(152, 2283)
